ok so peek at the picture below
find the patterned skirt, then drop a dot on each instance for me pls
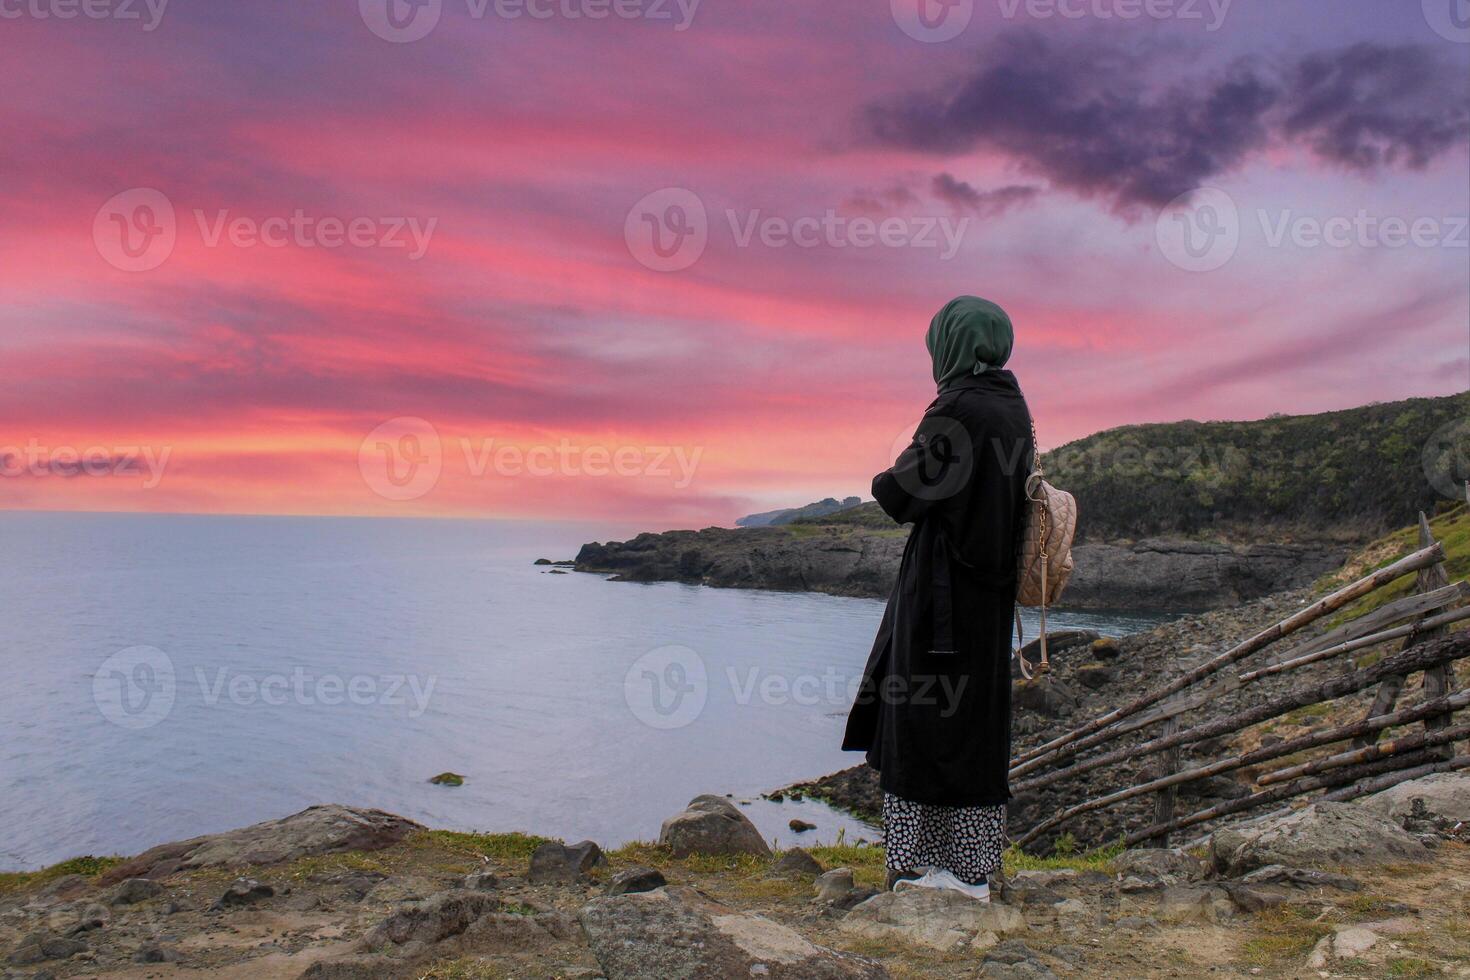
(966, 841)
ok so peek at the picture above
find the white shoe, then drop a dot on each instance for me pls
(937, 878)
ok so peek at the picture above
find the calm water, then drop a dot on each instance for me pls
(173, 676)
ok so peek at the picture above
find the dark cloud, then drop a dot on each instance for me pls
(1089, 119)
(988, 204)
(1369, 106)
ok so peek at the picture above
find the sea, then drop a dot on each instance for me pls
(168, 676)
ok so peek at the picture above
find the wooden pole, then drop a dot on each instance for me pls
(1456, 646)
(1378, 750)
(1438, 681)
(1411, 630)
(1037, 757)
(1164, 798)
(1311, 740)
(1426, 580)
(1337, 777)
(1380, 783)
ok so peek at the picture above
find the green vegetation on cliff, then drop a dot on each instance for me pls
(1349, 475)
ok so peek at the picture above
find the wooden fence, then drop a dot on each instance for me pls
(1367, 765)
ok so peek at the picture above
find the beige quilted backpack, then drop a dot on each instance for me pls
(1045, 560)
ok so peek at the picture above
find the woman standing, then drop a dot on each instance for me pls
(934, 709)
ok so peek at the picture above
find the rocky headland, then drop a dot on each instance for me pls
(1157, 574)
(1185, 516)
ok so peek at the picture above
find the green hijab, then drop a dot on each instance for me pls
(969, 336)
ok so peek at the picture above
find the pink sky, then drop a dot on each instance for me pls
(513, 304)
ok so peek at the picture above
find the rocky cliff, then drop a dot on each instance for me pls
(854, 560)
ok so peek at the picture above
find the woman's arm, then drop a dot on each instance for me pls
(935, 467)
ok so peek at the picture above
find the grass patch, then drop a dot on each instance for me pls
(867, 863)
(1411, 966)
(87, 866)
(512, 848)
(1064, 857)
(1451, 529)
(1303, 715)
(465, 968)
(1288, 932)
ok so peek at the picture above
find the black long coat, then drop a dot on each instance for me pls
(934, 709)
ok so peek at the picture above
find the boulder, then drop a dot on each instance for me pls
(316, 830)
(636, 880)
(677, 934)
(1195, 903)
(1320, 835)
(39, 947)
(440, 916)
(834, 885)
(712, 825)
(1170, 865)
(932, 917)
(557, 863)
(1445, 794)
(796, 862)
(245, 891)
(1045, 695)
(1095, 676)
(1277, 874)
(481, 881)
(135, 890)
